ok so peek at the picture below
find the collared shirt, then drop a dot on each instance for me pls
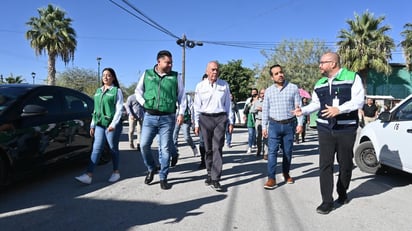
(255, 105)
(133, 107)
(181, 98)
(356, 102)
(212, 99)
(279, 104)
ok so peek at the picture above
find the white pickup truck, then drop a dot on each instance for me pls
(386, 141)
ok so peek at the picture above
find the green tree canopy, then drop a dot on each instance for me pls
(84, 80)
(406, 45)
(300, 62)
(51, 32)
(240, 79)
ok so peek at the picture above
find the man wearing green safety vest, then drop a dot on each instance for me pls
(159, 90)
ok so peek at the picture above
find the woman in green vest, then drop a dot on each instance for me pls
(106, 124)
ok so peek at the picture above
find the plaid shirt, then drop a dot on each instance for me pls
(278, 104)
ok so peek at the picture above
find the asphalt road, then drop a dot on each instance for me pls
(53, 200)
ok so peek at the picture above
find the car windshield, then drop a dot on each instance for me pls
(8, 95)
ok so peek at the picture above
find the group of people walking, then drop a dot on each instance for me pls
(278, 115)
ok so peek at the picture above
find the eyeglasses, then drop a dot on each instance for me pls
(323, 62)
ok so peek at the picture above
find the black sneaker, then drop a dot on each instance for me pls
(164, 185)
(325, 208)
(216, 185)
(149, 177)
(174, 160)
(208, 181)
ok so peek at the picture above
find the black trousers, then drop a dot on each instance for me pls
(213, 129)
(329, 144)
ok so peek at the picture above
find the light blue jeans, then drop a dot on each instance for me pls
(228, 135)
(186, 134)
(280, 134)
(163, 126)
(101, 134)
(251, 137)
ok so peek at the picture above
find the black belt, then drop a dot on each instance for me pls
(213, 114)
(286, 121)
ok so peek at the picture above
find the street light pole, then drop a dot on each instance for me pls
(98, 69)
(33, 75)
(183, 42)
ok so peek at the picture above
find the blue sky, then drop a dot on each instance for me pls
(130, 45)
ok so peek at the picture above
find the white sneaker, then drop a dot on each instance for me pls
(85, 179)
(114, 177)
(195, 151)
(249, 151)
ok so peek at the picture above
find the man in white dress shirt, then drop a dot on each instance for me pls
(212, 113)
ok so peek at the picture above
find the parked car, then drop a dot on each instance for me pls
(42, 125)
(241, 107)
(385, 142)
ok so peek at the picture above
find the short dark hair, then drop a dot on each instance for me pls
(163, 53)
(271, 67)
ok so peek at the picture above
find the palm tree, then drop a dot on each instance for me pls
(12, 79)
(51, 32)
(407, 45)
(365, 46)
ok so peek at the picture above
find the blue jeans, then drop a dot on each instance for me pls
(280, 134)
(228, 135)
(186, 133)
(251, 137)
(163, 126)
(101, 135)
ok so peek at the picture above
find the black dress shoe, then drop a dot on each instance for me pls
(173, 162)
(325, 208)
(342, 200)
(216, 185)
(208, 181)
(149, 177)
(164, 185)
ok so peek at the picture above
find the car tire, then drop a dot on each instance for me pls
(366, 159)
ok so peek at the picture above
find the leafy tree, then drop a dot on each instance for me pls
(365, 46)
(127, 91)
(240, 79)
(51, 32)
(406, 44)
(300, 62)
(83, 80)
(12, 79)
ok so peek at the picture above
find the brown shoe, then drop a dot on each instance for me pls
(270, 184)
(288, 179)
(265, 157)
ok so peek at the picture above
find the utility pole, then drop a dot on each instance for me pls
(184, 42)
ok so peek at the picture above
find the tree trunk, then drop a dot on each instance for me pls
(51, 69)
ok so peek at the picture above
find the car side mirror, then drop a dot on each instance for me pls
(33, 110)
(385, 116)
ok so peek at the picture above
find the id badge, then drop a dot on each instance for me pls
(335, 102)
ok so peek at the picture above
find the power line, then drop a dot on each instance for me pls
(145, 18)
